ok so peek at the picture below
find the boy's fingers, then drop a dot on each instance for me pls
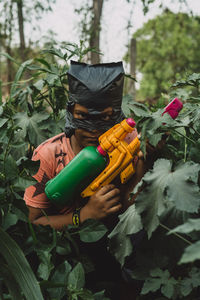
(106, 188)
(115, 208)
(112, 193)
(113, 202)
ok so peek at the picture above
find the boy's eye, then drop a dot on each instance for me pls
(81, 115)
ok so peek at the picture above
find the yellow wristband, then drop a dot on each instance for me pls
(76, 217)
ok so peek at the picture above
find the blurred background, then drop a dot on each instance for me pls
(157, 40)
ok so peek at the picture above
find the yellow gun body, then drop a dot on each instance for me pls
(121, 155)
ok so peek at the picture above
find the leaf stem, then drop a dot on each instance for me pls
(185, 150)
(176, 234)
(186, 137)
(196, 131)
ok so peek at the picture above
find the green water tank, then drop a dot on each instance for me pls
(63, 189)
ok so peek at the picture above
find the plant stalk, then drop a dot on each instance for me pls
(186, 137)
(176, 234)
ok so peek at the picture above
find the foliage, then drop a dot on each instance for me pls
(167, 48)
(156, 240)
(38, 262)
(160, 232)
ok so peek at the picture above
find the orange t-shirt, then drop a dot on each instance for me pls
(54, 154)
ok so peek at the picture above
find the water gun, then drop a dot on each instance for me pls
(112, 157)
(121, 155)
(95, 167)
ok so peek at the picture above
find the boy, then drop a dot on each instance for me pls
(95, 97)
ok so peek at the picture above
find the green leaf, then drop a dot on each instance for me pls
(9, 281)
(187, 227)
(19, 267)
(25, 162)
(1, 110)
(151, 285)
(168, 287)
(131, 107)
(59, 280)
(44, 62)
(100, 296)
(120, 243)
(46, 265)
(9, 57)
(191, 253)
(76, 277)
(56, 52)
(191, 282)
(11, 170)
(183, 187)
(52, 78)
(194, 79)
(0, 94)
(8, 220)
(160, 279)
(39, 84)
(3, 121)
(30, 127)
(18, 76)
(92, 231)
(22, 183)
(164, 187)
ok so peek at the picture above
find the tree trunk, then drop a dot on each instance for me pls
(133, 53)
(95, 30)
(9, 68)
(21, 29)
(8, 28)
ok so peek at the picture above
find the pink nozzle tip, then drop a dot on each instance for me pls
(131, 122)
(101, 151)
(173, 108)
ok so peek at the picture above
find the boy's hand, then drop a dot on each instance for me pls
(103, 203)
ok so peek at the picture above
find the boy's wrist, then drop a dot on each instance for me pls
(76, 221)
(86, 213)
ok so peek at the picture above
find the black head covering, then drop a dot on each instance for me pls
(95, 87)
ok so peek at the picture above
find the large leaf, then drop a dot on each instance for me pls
(132, 108)
(10, 282)
(160, 280)
(92, 231)
(57, 285)
(191, 253)
(3, 121)
(76, 277)
(164, 187)
(8, 220)
(18, 76)
(20, 268)
(191, 282)
(11, 170)
(30, 126)
(120, 243)
(189, 226)
(22, 183)
(46, 265)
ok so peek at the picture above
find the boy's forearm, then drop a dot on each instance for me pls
(60, 222)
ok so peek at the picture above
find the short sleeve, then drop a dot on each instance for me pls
(34, 195)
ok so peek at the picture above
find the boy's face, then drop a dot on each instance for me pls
(84, 137)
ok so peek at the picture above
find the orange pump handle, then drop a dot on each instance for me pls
(120, 155)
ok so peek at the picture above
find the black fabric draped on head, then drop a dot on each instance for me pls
(95, 87)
